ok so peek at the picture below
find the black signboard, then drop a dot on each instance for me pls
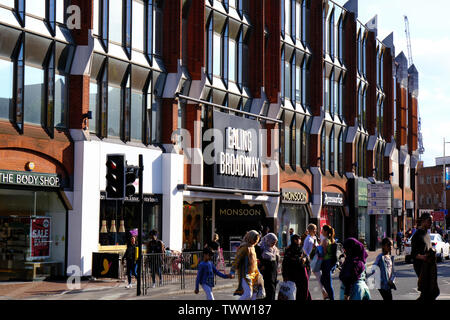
(333, 199)
(236, 152)
(105, 265)
(294, 196)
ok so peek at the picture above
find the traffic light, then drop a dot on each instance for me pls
(132, 173)
(115, 176)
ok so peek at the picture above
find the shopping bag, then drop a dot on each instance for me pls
(287, 290)
(316, 262)
(260, 290)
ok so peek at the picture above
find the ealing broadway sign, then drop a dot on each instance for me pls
(237, 159)
(30, 179)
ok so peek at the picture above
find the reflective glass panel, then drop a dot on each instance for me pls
(6, 88)
(34, 94)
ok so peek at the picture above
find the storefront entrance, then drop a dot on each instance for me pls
(33, 239)
(233, 219)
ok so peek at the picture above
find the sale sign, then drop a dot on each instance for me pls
(40, 237)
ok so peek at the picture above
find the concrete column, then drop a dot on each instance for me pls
(172, 217)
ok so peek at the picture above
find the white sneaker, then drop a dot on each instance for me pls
(153, 285)
(129, 286)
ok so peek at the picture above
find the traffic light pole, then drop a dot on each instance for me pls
(141, 222)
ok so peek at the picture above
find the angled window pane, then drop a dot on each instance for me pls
(114, 98)
(136, 115)
(115, 20)
(93, 106)
(60, 101)
(138, 25)
(35, 7)
(217, 54)
(95, 12)
(6, 88)
(8, 3)
(34, 94)
(287, 16)
(232, 61)
(60, 11)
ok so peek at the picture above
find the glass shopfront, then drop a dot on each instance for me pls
(33, 234)
(117, 219)
(233, 219)
(197, 225)
(293, 214)
(333, 213)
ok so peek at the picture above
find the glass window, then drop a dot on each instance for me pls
(232, 61)
(6, 89)
(332, 94)
(331, 34)
(304, 153)
(332, 153)
(298, 20)
(136, 115)
(35, 7)
(287, 143)
(95, 12)
(34, 94)
(115, 20)
(341, 153)
(298, 145)
(282, 80)
(93, 105)
(114, 98)
(287, 79)
(8, 3)
(323, 150)
(217, 54)
(60, 101)
(298, 84)
(138, 25)
(60, 11)
(209, 48)
(326, 91)
(287, 16)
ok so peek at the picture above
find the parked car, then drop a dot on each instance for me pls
(442, 248)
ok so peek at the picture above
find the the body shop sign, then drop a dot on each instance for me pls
(40, 237)
(29, 179)
(237, 159)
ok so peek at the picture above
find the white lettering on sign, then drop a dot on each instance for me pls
(239, 139)
(238, 165)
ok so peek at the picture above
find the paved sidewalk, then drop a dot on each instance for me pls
(33, 290)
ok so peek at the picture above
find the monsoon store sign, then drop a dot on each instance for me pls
(30, 179)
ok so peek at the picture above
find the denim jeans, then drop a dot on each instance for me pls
(327, 269)
(131, 270)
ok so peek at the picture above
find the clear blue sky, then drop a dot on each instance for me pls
(429, 26)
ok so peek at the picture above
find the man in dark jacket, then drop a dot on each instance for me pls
(130, 258)
(156, 249)
(424, 259)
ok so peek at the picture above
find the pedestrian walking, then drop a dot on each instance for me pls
(206, 272)
(328, 265)
(399, 240)
(385, 263)
(269, 258)
(353, 272)
(156, 249)
(294, 268)
(309, 248)
(424, 260)
(246, 265)
(214, 244)
(131, 259)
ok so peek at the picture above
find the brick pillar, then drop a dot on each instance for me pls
(273, 51)
(79, 101)
(169, 118)
(256, 47)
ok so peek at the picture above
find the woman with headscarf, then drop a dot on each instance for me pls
(294, 266)
(269, 256)
(246, 265)
(353, 274)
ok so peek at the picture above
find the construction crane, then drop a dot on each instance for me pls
(421, 149)
(408, 41)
